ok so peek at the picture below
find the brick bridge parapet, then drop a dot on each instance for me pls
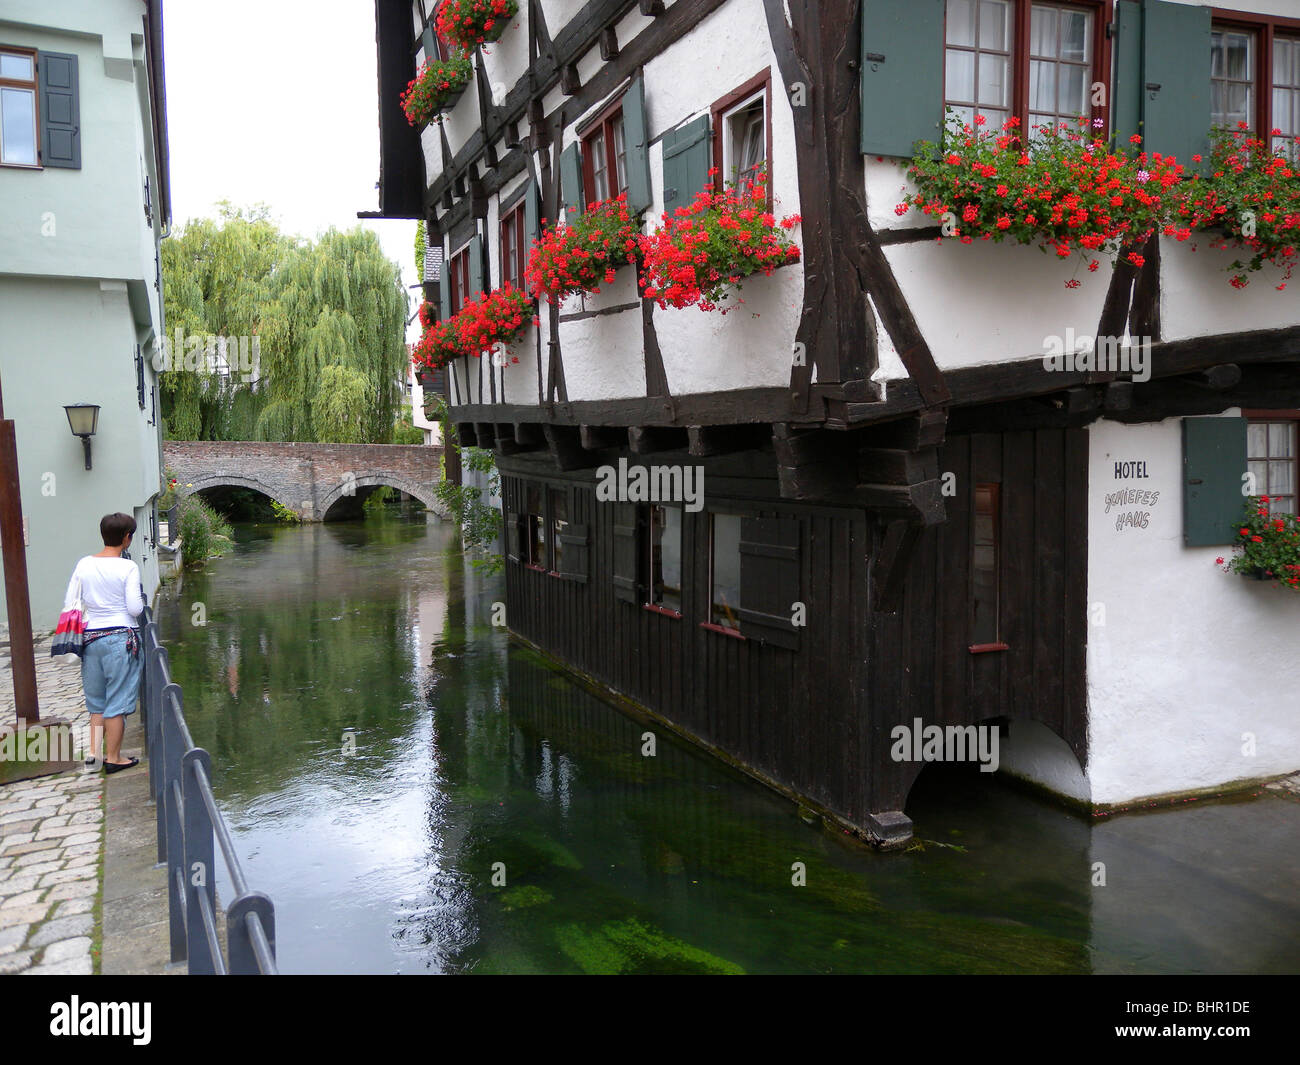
(309, 479)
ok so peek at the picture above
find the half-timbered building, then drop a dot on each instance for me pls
(906, 513)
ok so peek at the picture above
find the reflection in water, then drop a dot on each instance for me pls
(497, 817)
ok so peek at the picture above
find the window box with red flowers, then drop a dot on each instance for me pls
(702, 253)
(579, 256)
(435, 89)
(1269, 545)
(466, 23)
(497, 318)
(440, 342)
(1251, 196)
(1065, 191)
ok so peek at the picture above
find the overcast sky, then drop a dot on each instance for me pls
(275, 101)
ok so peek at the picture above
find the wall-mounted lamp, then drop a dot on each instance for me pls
(83, 418)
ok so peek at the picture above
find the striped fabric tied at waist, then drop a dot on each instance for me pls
(132, 638)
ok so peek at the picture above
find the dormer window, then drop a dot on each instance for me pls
(18, 114)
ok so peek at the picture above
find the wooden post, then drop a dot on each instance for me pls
(22, 654)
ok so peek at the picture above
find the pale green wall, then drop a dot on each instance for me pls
(76, 257)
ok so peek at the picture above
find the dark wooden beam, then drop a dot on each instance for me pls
(566, 448)
(1119, 396)
(570, 83)
(890, 566)
(651, 7)
(608, 44)
(1219, 378)
(704, 440)
(529, 435)
(648, 440)
(599, 437)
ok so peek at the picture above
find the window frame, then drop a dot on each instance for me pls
(1265, 29)
(1257, 417)
(555, 526)
(602, 125)
(724, 108)
(708, 622)
(513, 218)
(1103, 14)
(532, 528)
(997, 643)
(444, 47)
(458, 279)
(35, 86)
(648, 560)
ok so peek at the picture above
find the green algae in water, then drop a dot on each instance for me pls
(629, 946)
(525, 895)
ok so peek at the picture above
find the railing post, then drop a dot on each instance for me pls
(239, 943)
(199, 872)
(172, 803)
(157, 723)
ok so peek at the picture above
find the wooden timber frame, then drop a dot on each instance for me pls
(856, 464)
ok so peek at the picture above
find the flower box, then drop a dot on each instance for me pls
(467, 23)
(1269, 545)
(578, 256)
(435, 89)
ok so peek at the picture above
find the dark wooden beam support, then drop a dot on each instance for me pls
(1220, 378)
(1083, 400)
(467, 434)
(566, 448)
(608, 44)
(478, 198)
(599, 437)
(879, 465)
(890, 566)
(705, 440)
(920, 503)
(570, 83)
(1119, 396)
(926, 428)
(648, 440)
(529, 435)
(486, 432)
(651, 7)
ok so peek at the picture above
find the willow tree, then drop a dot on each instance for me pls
(329, 318)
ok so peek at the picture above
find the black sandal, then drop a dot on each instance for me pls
(117, 767)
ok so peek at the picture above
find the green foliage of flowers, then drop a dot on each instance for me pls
(466, 23)
(1268, 545)
(1252, 195)
(1065, 190)
(579, 255)
(629, 946)
(438, 83)
(204, 533)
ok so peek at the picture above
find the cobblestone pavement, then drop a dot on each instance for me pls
(51, 840)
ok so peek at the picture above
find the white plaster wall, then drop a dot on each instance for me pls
(1032, 751)
(1189, 659)
(1196, 298)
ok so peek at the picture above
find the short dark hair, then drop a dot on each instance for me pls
(114, 528)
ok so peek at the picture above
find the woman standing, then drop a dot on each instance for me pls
(110, 661)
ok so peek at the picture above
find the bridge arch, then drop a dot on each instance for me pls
(383, 479)
(238, 480)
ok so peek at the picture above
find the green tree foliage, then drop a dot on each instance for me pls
(330, 321)
(419, 250)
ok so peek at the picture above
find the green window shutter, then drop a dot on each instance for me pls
(444, 289)
(687, 160)
(626, 541)
(636, 140)
(1176, 80)
(902, 74)
(769, 580)
(1126, 92)
(476, 287)
(1214, 462)
(427, 43)
(571, 179)
(532, 215)
(60, 110)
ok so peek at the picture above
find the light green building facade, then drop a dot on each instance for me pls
(82, 90)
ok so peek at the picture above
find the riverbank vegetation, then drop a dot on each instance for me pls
(204, 533)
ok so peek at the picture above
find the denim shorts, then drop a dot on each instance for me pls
(110, 676)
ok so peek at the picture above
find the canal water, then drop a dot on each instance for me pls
(419, 793)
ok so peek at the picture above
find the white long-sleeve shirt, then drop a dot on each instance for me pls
(110, 589)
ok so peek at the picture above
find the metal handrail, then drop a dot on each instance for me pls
(188, 822)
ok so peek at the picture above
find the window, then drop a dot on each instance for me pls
(742, 147)
(1232, 77)
(19, 126)
(665, 558)
(724, 571)
(604, 156)
(985, 550)
(1271, 455)
(533, 529)
(1045, 81)
(1255, 76)
(458, 279)
(559, 502)
(514, 255)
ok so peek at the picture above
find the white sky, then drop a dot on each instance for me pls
(275, 101)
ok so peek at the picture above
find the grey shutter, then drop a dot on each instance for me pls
(532, 215)
(1176, 80)
(571, 179)
(427, 39)
(626, 542)
(902, 74)
(510, 501)
(574, 553)
(769, 580)
(1126, 92)
(636, 140)
(60, 110)
(444, 291)
(476, 287)
(688, 158)
(1214, 462)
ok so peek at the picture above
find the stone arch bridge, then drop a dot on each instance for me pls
(318, 482)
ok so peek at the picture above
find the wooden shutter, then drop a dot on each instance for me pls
(532, 218)
(1214, 462)
(769, 580)
(626, 554)
(60, 110)
(444, 288)
(571, 179)
(574, 556)
(902, 74)
(1126, 92)
(476, 286)
(426, 42)
(1176, 80)
(510, 502)
(636, 141)
(688, 155)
